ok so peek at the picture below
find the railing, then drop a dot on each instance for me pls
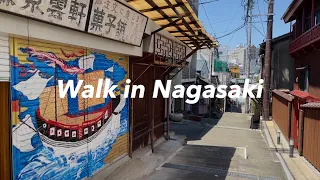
(306, 39)
(281, 110)
(167, 50)
(311, 135)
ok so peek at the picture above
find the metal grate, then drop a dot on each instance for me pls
(219, 172)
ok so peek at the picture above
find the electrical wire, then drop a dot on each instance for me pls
(260, 17)
(259, 31)
(244, 4)
(207, 17)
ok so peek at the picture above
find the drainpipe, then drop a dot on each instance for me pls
(290, 120)
(301, 132)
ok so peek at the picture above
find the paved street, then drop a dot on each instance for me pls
(220, 149)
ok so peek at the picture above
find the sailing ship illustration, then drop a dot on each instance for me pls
(67, 122)
(58, 127)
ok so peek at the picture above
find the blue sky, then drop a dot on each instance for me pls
(227, 15)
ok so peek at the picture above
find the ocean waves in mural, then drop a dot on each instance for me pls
(66, 138)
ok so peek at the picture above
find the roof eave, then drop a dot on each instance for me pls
(288, 16)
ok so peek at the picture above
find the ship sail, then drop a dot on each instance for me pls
(33, 87)
(22, 134)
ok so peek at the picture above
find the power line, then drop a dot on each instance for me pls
(235, 30)
(232, 19)
(207, 17)
(260, 17)
(259, 31)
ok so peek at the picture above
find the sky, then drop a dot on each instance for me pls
(223, 16)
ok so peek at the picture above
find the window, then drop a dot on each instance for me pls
(307, 21)
(303, 80)
(317, 17)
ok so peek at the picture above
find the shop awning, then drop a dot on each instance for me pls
(178, 18)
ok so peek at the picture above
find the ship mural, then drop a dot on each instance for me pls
(64, 138)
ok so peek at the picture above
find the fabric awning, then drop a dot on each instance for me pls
(178, 18)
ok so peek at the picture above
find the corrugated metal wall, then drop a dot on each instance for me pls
(4, 57)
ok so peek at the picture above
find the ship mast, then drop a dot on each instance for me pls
(55, 90)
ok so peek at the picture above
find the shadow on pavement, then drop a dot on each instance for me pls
(234, 108)
(198, 162)
(193, 130)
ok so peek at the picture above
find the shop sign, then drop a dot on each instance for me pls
(117, 21)
(69, 13)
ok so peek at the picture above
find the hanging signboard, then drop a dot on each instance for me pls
(69, 13)
(114, 20)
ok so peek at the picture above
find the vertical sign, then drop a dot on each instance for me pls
(114, 20)
(69, 13)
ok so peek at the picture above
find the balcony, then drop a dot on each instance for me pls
(306, 39)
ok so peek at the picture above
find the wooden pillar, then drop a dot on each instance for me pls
(152, 119)
(5, 133)
(290, 35)
(313, 14)
(168, 112)
(303, 19)
(131, 117)
(301, 132)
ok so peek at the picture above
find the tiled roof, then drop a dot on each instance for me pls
(284, 95)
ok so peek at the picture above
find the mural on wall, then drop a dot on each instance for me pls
(69, 138)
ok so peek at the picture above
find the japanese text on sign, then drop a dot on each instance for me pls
(112, 19)
(69, 13)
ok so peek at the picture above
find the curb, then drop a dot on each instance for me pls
(285, 167)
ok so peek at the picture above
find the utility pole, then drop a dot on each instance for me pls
(267, 61)
(248, 59)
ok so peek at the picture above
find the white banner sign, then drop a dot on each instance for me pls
(69, 13)
(114, 20)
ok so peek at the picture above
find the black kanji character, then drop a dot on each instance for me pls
(114, 7)
(127, 14)
(74, 11)
(56, 8)
(121, 28)
(55, 13)
(98, 2)
(59, 4)
(110, 24)
(8, 2)
(34, 4)
(97, 20)
(106, 4)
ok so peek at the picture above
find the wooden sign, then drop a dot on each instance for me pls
(69, 13)
(114, 20)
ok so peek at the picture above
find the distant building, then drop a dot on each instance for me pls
(254, 60)
(238, 54)
(234, 72)
(224, 53)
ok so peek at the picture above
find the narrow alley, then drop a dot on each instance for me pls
(216, 149)
(220, 152)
